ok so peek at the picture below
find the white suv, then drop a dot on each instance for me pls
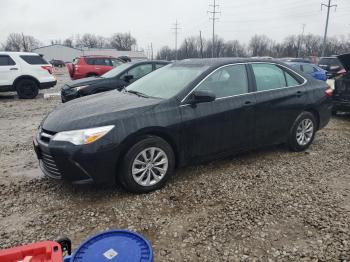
(25, 73)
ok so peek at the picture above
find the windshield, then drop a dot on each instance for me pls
(116, 71)
(167, 81)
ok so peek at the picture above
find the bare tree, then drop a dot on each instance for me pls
(68, 42)
(90, 41)
(20, 42)
(260, 45)
(122, 41)
(166, 53)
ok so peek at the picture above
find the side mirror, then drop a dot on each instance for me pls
(201, 97)
(128, 78)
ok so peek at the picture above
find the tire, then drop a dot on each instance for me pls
(303, 132)
(91, 75)
(27, 89)
(164, 160)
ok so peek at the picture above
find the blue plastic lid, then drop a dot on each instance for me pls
(114, 246)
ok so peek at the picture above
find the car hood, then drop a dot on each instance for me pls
(345, 60)
(87, 81)
(96, 110)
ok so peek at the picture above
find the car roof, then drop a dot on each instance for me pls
(217, 62)
(300, 63)
(17, 53)
(147, 61)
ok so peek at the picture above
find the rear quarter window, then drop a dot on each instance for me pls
(34, 59)
(6, 60)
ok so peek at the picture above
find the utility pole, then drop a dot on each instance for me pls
(300, 42)
(201, 43)
(151, 51)
(213, 17)
(176, 32)
(329, 6)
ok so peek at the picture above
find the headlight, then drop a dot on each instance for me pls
(83, 136)
(80, 87)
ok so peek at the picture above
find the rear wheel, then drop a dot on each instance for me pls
(27, 89)
(303, 132)
(91, 75)
(147, 165)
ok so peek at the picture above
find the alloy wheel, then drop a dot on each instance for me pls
(150, 166)
(305, 131)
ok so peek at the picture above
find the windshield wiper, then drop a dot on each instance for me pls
(136, 93)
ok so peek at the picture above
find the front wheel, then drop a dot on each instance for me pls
(147, 165)
(303, 132)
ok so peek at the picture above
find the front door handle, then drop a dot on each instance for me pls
(14, 68)
(247, 103)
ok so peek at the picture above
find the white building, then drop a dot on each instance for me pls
(67, 54)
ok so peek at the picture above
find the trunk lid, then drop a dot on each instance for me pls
(342, 83)
(345, 60)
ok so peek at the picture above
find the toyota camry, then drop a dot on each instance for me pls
(189, 111)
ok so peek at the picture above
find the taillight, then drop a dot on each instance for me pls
(329, 92)
(48, 68)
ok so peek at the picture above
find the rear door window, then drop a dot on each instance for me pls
(227, 81)
(34, 59)
(291, 81)
(99, 61)
(268, 77)
(6, 60)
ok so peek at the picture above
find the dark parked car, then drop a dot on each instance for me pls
(188, 111)
(293, 59)
(57, 63)
(331, 64)
(117, 78)
(341, 98)
(310, 69)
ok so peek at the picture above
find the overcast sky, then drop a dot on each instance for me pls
(152, 20)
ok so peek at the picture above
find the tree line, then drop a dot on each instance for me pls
(196, 47)
(259, 45)
(26, 43)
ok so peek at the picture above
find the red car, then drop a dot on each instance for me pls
(86, 66)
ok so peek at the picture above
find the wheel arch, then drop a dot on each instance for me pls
(151, 131)
(91, 74)
(22, 77)
(316, 115)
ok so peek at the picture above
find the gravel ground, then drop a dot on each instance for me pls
(266, 205)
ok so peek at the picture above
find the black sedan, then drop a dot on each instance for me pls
(117, 78)
(188, 111)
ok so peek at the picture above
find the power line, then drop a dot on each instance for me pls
(176, 32)
(213, 17)
(329, 6)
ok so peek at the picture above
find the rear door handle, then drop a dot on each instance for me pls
(247, 103)
(299, 93)
(14, 68)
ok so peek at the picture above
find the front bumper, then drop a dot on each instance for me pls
(77, 164)
(47, 85)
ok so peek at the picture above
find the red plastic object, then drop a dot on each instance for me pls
(46, 251)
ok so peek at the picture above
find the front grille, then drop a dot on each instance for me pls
(48, 163)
